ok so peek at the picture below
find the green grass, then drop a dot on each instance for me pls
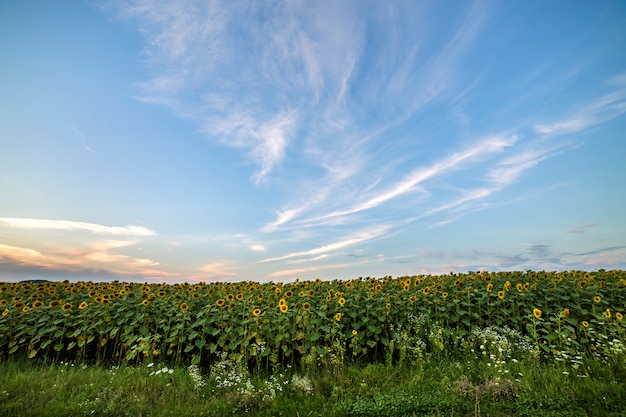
(428, 388)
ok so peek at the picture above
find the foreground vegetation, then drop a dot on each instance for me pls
(430, 388)
(511, 343)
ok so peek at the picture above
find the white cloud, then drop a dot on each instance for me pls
(600, 110)
(481, 150)
(26, 223)
(353, 239)
(257, 248)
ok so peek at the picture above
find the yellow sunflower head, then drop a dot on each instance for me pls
(489, 287)
(342, 301)
(566, 313)
(82, 305)
(66, 307)
(501, 294)
(607, 314)
(284, 308)
(220, 302)
(619, 315)
(184, 306)
(597, 299)
(256, 312)
(338, 316)
(537, 313)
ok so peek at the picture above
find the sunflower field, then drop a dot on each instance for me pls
(563, 315)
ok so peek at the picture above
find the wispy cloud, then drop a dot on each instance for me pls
(583, 228)
(82, 139)
(218, 269)
(600, 110)
(314, 268)
(27, 223)
(351, 240)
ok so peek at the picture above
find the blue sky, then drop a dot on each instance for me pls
(170, 141)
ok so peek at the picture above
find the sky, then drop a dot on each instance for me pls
(188, 141)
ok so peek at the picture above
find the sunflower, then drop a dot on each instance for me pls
(489, 287)
(195, 295)
(444, 295)
(82, 305)
(507, 286)
(66, 307)
(537, 313)
(282, 301)
(458, 283)
(260, 297)
(230, 297)
(412, 299)
(232, 305)
(426, 290)
(151, 297)
(239, 296)
(387, 306)
(338, 316)
(25, 309)
(37, 304)
(566, 313)
(608, 313)
(520, 287)
(501, 294)
(597, 299)
(585, 323)
(184, 306)
(145, 303)
(3, 302)
(328, 298)
(284, 308)
(354, 332)
(5, 312)
(256, 312)
(582, 284)
(619, 315)
(220, 302)
(342, 301)
(310, 293)
(306, 306)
